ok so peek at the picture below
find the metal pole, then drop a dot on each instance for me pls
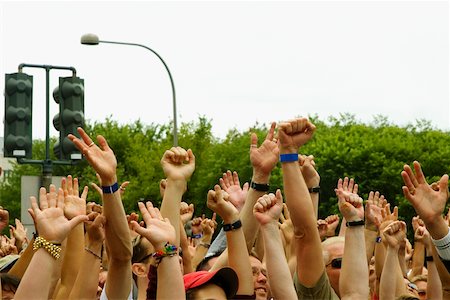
(174, 102)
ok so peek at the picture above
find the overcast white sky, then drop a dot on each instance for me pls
(238, 62)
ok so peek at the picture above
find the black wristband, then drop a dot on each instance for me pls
(110, 189)
(233, 226)
(429, 258)
(355, 223)
(315, 189)
(259, 186)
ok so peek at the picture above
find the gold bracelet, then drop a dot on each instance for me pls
(52, 249)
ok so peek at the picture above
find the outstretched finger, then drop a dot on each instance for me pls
(43, 198)
(410, 175)
(271, 132)
(419, 174)
(85, 192)
(103, 143)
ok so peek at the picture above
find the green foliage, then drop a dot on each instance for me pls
(373, 154)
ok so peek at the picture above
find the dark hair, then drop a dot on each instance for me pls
(203, 265)
(9, 282)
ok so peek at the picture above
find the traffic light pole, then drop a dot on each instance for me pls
(47, 163)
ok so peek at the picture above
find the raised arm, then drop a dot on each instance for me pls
(263, 159)
(373, 218)
(312, 179)
(178, 166)
(86, 283)
(74, 205)
(267, 211)
(310, 265)
(354, 261)
(393, 234)
(53, 228)
(117, 234)
(434, 285)
(161, 235)
(238, 260)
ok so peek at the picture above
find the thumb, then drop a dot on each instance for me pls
(279, 197)
(77, 220)
(443, 185)
(137, 228)
(191, 156)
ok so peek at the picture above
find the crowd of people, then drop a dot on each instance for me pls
(270, 246)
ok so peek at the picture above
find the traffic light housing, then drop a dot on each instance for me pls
(70, 96)
(18, 115)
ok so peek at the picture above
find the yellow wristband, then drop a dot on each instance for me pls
(52, 249)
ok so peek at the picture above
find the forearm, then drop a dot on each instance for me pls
(434, 284)
(444, 275)
(201, 250)
(170, 206)
(370, 237)
(187, 259)
(118, 282)
(354, 265)
(343, 227)
(315, 202)
(249, 224)
(86, 283)
(37, 280)
(239, 260)
(417, 259)
(72, 261)
(116, 229)
(389, 274)
(280, 279)
(310, 265)
(170, 279)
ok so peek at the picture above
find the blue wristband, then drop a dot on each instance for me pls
(110, 189)
(290, 157)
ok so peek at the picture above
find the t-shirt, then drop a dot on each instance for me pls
(322, 289)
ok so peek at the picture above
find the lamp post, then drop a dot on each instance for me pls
(92, 39)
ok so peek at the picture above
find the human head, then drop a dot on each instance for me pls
(10, 284)
(142, 251)
(333, 251)
(421, 282)
(260, 282)
(207, 262)
(220, 284)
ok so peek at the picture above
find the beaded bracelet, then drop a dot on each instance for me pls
(168, 250)
(53, 249)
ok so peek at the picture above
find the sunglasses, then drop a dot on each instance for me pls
(336, 263)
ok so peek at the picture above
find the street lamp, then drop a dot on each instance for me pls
(92, 39)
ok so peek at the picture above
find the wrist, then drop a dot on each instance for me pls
(260, 177)
(108, 180)
(290, 149)
(438, 228)
(230, 219)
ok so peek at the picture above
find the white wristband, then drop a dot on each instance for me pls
(443, 246)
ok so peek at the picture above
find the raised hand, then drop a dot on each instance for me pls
(428, 203)
(132, 217)
(19, 233)
(309, 172)
(374, 206)
(268, 208)
(332, 224)
(209, 225)
(230, 184)
(102, 158)
(96, 228)
(178, 164)
(186, 212)
(196, 225)
(416, 222)
(294, 133)
(220, 205)
(158, 230)
(4, 218)
(50, 221)
(387, 216)
(286, 226)
(350, 204)
(322, 227)
(394, 234)
(265, 157)
(74, 204)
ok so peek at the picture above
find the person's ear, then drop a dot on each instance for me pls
(139, 269)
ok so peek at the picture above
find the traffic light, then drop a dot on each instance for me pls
(18, 108)
(70, 96)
